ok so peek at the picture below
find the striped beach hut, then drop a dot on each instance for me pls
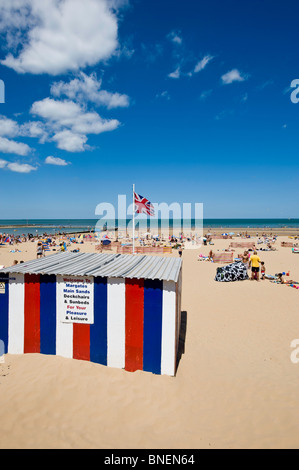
(118, 310)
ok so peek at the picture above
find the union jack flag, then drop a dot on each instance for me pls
(143, 205)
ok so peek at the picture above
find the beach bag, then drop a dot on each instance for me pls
(232, 272)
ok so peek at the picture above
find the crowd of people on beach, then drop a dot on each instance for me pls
(12, 239)
(44, 242)
(258, 266)
(250, 258)
(61, 242)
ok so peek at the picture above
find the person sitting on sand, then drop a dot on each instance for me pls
(254, 262)
(283, 281)
(211, 255)
(39, 251)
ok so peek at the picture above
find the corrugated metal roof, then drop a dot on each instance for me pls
(102, 265)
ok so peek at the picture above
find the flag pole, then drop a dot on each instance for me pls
(133, 249)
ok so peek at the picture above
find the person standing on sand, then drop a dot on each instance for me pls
(263, 270)
(254, 262)
(39, 251)
(245, 258)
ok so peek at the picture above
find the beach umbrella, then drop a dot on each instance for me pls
(231, 233)
(106, 242)
(225, 234)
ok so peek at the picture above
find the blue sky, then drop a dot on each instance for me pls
(190, 100)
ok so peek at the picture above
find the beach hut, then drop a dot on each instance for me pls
(117, 310)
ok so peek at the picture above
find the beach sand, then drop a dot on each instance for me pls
(236, 386)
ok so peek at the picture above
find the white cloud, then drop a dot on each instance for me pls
(34, 129)
(163, 94)
(8, 127)
(117, 4)
(17, 167)
(265, 84)
(92, 123)
(175, 37)
(3, 163)
(204, 95)
(287, 90)
(63, 112)
(56, 161)
(203, 63)
(112, 100)
(69, 141)
(65, 122)
(176, 74)
(12, 129)
(88, 88)
(11, 146)
(21, 167)
(69, 123)
(58, 36)
(233, 76)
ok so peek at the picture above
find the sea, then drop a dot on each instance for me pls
(52, 226)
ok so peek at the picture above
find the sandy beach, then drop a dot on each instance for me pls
(149, 162)
(235, 387)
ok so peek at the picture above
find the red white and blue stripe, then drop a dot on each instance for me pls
(136, 322)
(143, 205)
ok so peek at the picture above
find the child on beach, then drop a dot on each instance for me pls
(39, 251)
(282, 281)
(263, 270)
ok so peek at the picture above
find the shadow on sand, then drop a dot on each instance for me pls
(182, 338)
